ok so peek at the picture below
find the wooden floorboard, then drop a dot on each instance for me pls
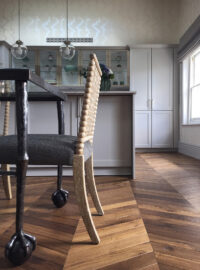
(166, 200)
(167, 189)
(62, 242)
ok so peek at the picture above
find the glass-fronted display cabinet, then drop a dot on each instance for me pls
(85, 58)
(28, 62)
(118, 64)
(70, 74)
(47, 63)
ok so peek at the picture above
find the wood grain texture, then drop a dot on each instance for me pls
(90, 103)
(167, 189)
(124, 241)
(63, 242)
(89, 178)
(81, 195)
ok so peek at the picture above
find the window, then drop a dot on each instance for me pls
(194, 90)
(191, 88)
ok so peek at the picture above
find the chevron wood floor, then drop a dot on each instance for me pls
(62, 240)
(167, 191)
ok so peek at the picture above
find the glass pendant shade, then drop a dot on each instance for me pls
(67, 50)
(19, 50)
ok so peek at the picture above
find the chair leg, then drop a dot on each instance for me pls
(6, 182)
(60, 196)
(89, 175)
(81, 195)
(21, 245)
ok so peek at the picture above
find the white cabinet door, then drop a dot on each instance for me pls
(43, 117)
(71, 115)
(143, 129)
(162, 79)
(112, 136)
(162, 129)
(140, 77)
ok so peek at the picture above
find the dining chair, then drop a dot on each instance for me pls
(5, 167)
(52, 149)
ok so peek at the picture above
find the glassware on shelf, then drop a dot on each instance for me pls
(48, 65)
(70, 71)
(119, 67)
(54, 69)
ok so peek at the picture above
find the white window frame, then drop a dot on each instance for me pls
(188, 71)
(192, 85)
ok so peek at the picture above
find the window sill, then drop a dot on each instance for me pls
(190, 124)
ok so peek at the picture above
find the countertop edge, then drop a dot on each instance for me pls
(102, 93)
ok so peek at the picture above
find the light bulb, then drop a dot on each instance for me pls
(67, 50)
(19, 50)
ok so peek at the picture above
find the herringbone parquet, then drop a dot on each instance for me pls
(62, 241)
(167, 191)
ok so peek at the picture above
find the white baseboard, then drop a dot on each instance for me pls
(155, 150)
(189, 150)
(52, 171)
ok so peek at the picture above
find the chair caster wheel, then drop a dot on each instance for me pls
(59, 197)
(20, 248)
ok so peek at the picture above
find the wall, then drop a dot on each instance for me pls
(189, 11)
(109, 22)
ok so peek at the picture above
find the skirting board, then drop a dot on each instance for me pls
(52, 171)
(189, 150)
(155, 150)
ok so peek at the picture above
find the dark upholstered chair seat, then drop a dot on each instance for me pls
(43, 149)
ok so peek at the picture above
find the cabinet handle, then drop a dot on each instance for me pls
(149, 104)
(152, 104)
(79, 107)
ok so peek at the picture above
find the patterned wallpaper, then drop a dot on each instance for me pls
(109, 22)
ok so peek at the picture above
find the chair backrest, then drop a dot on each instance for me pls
(6, 116)
(90, 103)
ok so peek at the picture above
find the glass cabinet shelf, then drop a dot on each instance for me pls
(70, 74)
(47, 63)
(119, 67)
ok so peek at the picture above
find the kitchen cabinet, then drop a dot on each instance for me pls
(143, 129)
(48, 64)
(152, 76)
(113, 137)
(162, 79)
(162, 129)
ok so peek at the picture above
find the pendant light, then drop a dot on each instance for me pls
(67, 50)
(19, 50)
